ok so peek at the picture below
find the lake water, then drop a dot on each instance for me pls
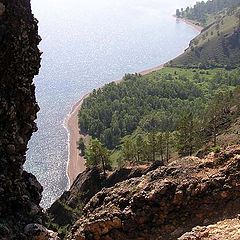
(87, 43)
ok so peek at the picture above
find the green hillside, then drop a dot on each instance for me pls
(206, 12)
(218, 45)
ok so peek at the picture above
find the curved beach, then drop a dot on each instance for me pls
(76, 163)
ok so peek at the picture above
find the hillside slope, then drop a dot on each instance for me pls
(217, 45)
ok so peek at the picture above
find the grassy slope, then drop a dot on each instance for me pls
(217, 47)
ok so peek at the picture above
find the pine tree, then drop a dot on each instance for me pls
(97, 155)
(178, 13)
(152, 146)
(216, 111)
(187, 133)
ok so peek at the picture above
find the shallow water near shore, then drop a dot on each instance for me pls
(87, 43)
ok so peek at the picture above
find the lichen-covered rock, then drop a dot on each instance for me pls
(20, 193)
(165, 203)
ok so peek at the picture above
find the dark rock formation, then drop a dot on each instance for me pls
(20, 193)
(68, 207)
(166, 202)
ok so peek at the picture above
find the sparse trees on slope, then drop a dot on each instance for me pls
(152, 142)
(129, 150)
(216, 111)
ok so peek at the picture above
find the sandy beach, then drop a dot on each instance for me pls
(76, 163)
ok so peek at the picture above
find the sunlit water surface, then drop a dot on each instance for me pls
(85, 44)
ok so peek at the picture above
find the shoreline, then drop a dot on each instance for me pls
(76, 163)
(190, 23)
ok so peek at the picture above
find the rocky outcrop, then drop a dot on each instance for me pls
(166, 202)
(227, 229)
(20, 192)
(69, 206)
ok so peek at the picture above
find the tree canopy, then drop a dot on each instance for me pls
(154, 102)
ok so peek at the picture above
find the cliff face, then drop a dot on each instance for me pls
(20, 193)
(166, 202)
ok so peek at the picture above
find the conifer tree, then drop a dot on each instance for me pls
(97, 155)
(187, 133)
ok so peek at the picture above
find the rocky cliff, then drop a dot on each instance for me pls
(68, 207)
(20, 193)
(166, 202)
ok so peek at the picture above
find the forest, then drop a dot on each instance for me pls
(146, 118)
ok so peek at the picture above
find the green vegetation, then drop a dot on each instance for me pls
(66, 217)
(206, 12)
(97, 155)
(146, 118)
(81, 146)
(146, 147)
(218, 44)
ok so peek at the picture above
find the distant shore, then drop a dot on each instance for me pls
(76, 163)
(190, 23)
